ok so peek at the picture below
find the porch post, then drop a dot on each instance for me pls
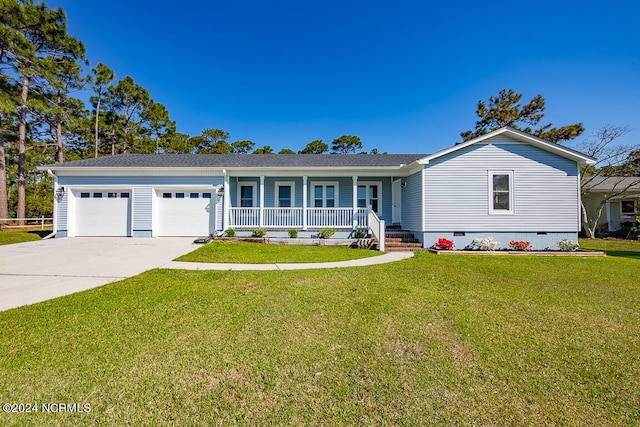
(304, 202)
(355, 201)
(226, 202)
(261, 218)
(609, 223)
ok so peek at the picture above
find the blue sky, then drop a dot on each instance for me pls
(404, 76)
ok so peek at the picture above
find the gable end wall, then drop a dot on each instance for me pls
(456, 196)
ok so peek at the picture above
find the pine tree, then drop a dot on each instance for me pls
(506, 110)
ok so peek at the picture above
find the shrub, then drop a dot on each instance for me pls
(359, 234)
(567, 245)
(229, 232)
(326, 233)
(443, 243)
(260, 232)
(517, 245)
(484, 244)
(293, 233)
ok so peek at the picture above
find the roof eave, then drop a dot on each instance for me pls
(580, 158)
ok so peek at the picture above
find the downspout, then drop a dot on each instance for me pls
(55, 207)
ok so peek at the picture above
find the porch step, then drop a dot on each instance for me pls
(396, 239)
(405, 247)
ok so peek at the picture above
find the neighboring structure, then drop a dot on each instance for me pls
(506, 184)
(617, 197)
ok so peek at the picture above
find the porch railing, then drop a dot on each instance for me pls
(244, 217)
(377, 227)
(286, 218)
(283, 217)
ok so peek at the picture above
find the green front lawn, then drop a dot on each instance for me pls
(613, 247)
(8, 237)
(259, 253)
(431, 340)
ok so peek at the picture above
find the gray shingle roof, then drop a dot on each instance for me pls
(243, 161)
(607, 184)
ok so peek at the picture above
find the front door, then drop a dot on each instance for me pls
(396, 202)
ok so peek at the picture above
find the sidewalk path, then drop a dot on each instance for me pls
(380, 259)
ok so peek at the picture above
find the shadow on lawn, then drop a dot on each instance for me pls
(41, 233)
(622, 254)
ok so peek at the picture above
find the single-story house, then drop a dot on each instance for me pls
(618, 197)
(507, 184)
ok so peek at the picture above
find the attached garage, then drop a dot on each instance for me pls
(184, 212)
(102, 213)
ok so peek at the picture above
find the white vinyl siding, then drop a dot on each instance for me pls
(63, 206)
(411, 206)
(544, 193)
(142, 208)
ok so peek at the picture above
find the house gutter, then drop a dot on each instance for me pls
(55, 207)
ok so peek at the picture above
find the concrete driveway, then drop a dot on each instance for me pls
(37, 271)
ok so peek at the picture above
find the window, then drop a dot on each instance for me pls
(501, 192)
(285, 194)
(85, 195)
(179, 195)
(628, 206)
(166, 195)
(194, 195)
(247, 195)
(206, 195)
(369, 195)
(97, 195)
(325, 195)
(124, 195)
(112, 195)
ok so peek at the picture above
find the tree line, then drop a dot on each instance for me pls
(44, 72)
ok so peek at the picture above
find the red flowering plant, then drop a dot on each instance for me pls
(443, 243)
(520, 245)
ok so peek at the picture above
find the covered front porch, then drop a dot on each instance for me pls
(310, 203)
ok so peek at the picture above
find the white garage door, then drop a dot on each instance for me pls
(102, 213)
(185, 213)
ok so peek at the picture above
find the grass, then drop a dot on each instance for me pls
(259, 253)
(613, 247)
(427, 341)
(8, 237)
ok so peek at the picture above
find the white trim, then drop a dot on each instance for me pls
(579, 195)
(324, 185)
(226, 201)
(423, 204)
(261, 203)
(512, 209)
(367, 184)
(396, 193)
(558, 149)
(305, 204)
(241, 184)
(276, 194)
